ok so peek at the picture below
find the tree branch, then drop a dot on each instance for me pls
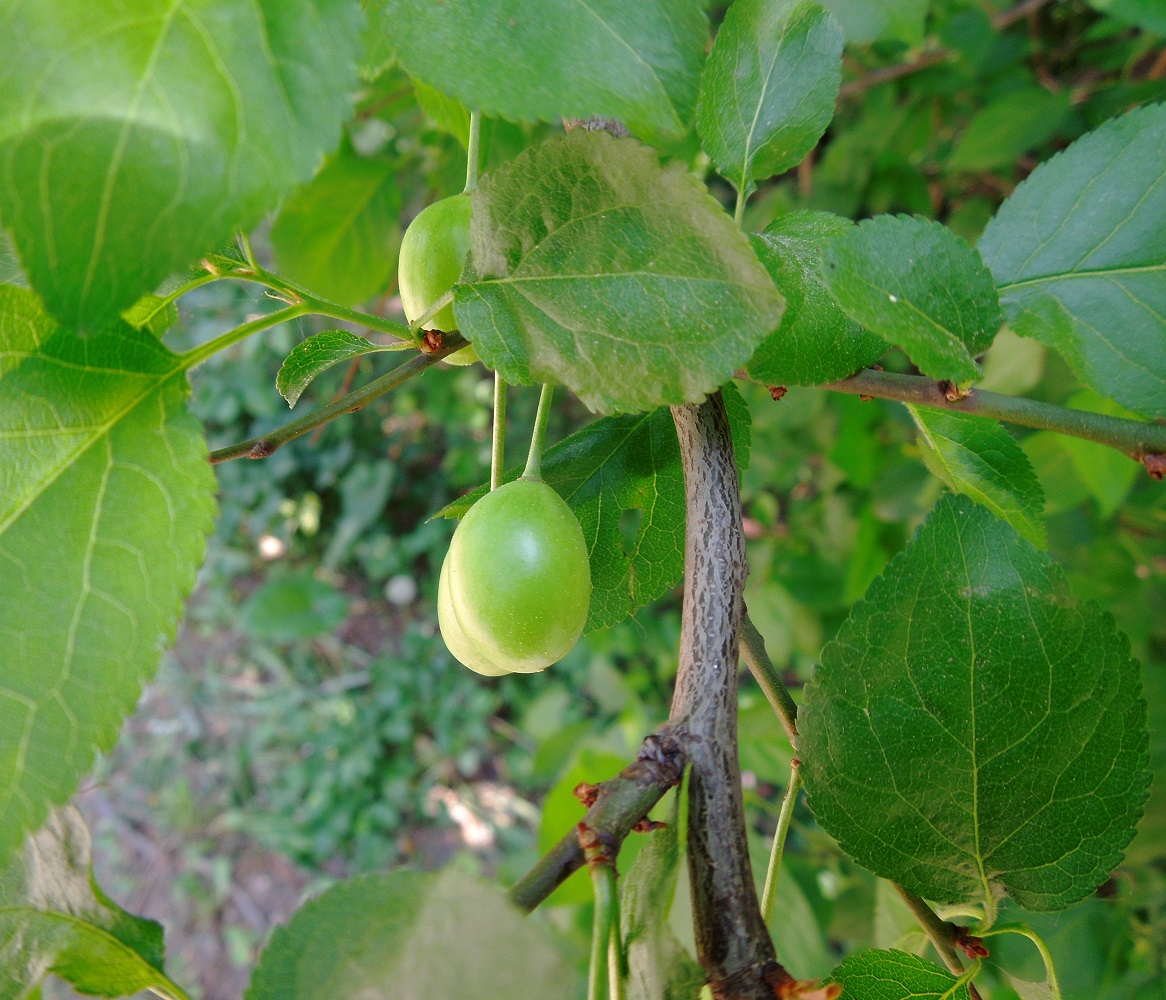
(615, 809)
(1144, 442)
(761, 666)
(266, 444)
(947, 938)
(732, 942)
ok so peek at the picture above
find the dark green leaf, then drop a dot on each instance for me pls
(171, 128)
(864, 21)
(297, 606)
(106, 500)
(1009, 127)
(919, 286)
(1148, 14)
(659, 968)
(594, 266)
(54, 918)
(618, 464)
(410, 934)
(768, 89)
(1105, 471)
(980, 459)
(816, 342)
(638, 63)
(317, 354)
(974, 729)
(1079, 254)
(895, 975)
(740, 424)
(338, 234)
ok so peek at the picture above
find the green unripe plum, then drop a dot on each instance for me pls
(433, 251)
(519, 580)
(455, 638)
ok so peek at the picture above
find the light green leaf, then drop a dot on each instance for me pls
(54, 918)
(1079, 254)
(138, 136)
(1009, 127)
(106, 500)
(638, 63)
(980, 459)
(410, 934)
(867, 21)
(293, 606)
(447, 113)
(917, 285)
(1106, 472)
(338, 235)
(152, 313)
(1148, 14)
(974, 729)
(609, 468)
(659, 968)
(594, 266)
(816, 342)
(312, 357)
(768, 89)
(896, 975)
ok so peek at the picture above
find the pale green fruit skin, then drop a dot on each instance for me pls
(433, 251)
(455, 639)
(520, 577)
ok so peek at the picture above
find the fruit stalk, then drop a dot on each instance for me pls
(733, 944)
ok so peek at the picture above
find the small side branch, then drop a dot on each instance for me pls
(261, 447)
(763, 671)
(1144, 442)
(948, 939)
(617, 807)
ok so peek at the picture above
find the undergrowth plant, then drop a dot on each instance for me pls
(975, 734)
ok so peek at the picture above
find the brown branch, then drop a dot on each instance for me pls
(887, 73)
(1006, 18)
(732, 942)
(619, 804)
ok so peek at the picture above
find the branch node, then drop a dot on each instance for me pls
(777, 392)
(1155, 463)
(646, 825)
(586, 793)
(430, 341)
(969, 944)
(599, 849)
(261, 449)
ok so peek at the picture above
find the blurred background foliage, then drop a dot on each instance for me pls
(310, 723)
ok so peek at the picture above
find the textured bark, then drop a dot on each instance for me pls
(732, 942)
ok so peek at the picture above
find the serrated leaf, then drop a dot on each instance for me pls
(114, 176)
(410, 934)
(896, 975)
(618, 464)
(768, 89)
(311, 357)
(974, 729)
(338, 234)
(816, 342)
(1008, 127)
(916, 284)
(980, 459)
(106, 501)
(54, 918)
(864, 21)
(638, 63)
(447, 113)
(1079, 254)
(659, 968)
(594, 266)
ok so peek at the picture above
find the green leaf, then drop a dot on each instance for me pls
(1148, 14)
(133, 144)
(447, 113)
(1079, 254)
(152, 313)
(896, 975)
(659, 967)
(1106, 472)
(410, 934)
(974, 729)
(816, 342)
(919, 286)
(338, 235)
(311, 357)
(740, 424)
(864, 21)
(293, 606)
(594, 266)
(980, 459)
(768, 89)
(615, 465)
(1009, 127)
(106, 500)
(55, 919)
(638, 63)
